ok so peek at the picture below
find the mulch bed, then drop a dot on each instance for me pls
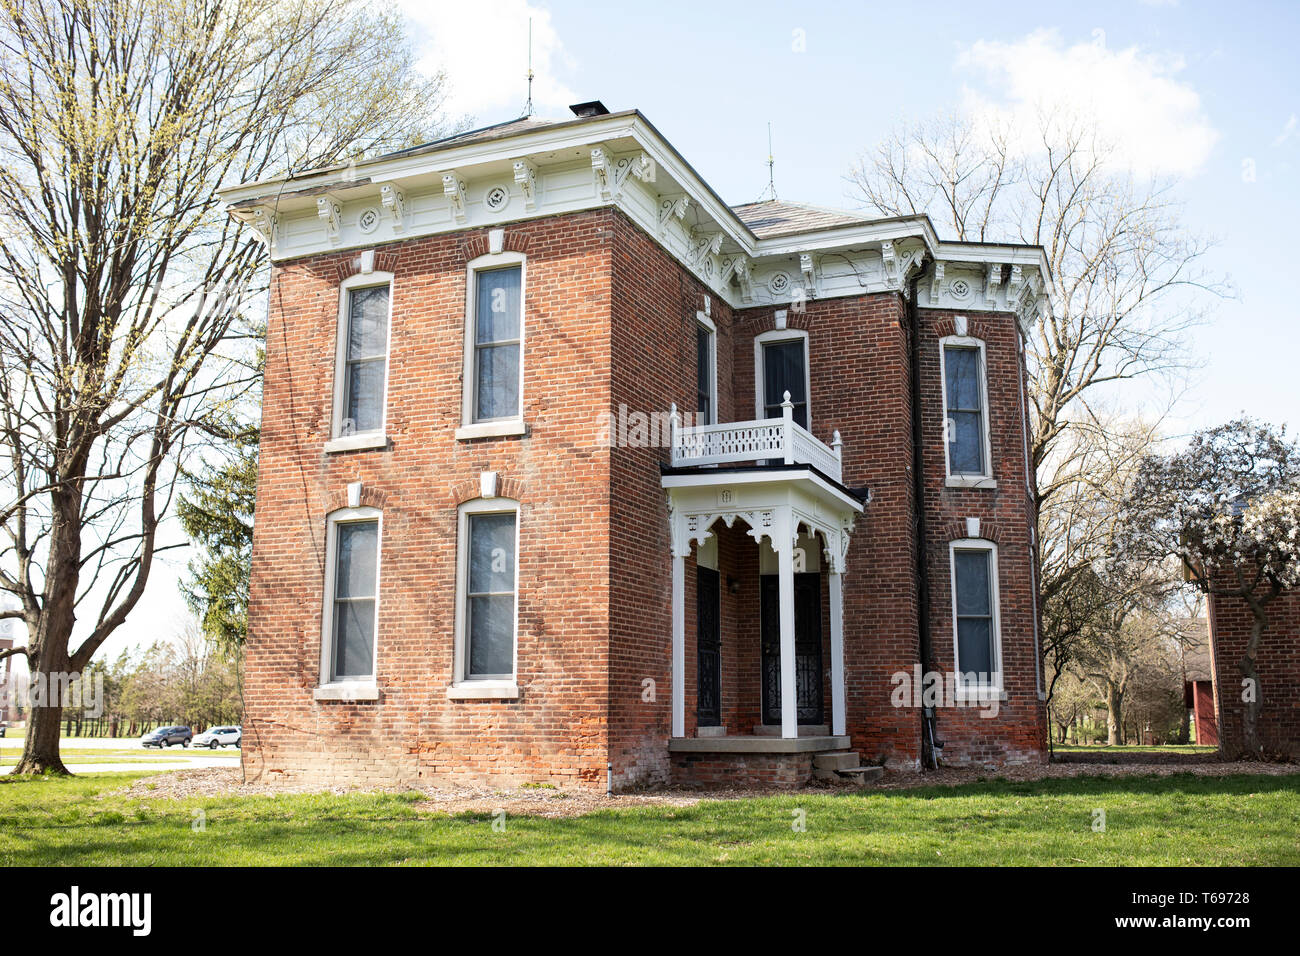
(548, 802)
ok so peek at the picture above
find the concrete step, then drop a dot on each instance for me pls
(836, 760)
(863, 775)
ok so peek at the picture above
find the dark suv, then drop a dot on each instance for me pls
(166, 736)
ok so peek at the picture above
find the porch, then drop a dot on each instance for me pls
(758, 514)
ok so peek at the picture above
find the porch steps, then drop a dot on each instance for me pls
(842, 767)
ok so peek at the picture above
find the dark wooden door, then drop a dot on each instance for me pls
(708, 679)
(807, 647)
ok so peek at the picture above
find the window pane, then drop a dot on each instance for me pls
(966, 443)
(975, 646)
(358, 552)
(498, 381)
(703, 372)
(364, 411)
(973, 582)
(491, 553)
(491, 635)
(783, 370)
(962, 371)
(354, 638)
(496, 300)
(368, 322)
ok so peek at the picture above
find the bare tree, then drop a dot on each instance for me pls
(1128, 279)
(124, 287)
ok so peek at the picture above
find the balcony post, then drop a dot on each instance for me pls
(784, 546)
(674, 457)
(787, 432)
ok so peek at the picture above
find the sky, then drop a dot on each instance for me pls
(1205, 92)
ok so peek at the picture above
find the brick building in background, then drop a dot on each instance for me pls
(571, 472)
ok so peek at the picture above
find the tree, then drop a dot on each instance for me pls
(1228, 507)
(217, 515)
(123, 284)
(1128, 282)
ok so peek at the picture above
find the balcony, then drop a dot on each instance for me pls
(778, 440)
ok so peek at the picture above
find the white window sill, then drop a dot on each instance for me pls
(979, 695)
(511, 426)
(483, 690)
(347, 690)
(970, 481)
(356, 442)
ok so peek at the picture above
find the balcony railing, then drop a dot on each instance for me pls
(768, 439)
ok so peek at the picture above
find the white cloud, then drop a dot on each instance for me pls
(1152, 119)
(483, 47)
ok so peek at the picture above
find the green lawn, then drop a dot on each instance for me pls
(1176, 820)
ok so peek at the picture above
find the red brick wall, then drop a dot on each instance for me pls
(609, 323)
(1278, 664)
(1018, 733)
(559, 472)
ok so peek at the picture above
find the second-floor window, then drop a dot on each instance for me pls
(496, 363)
(706, 392)
(965, 410)
(783, 368)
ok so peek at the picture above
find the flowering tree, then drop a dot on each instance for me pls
(1228, 505)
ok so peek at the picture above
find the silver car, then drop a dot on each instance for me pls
(216, 737)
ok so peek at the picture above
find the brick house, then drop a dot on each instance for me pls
(572, 472)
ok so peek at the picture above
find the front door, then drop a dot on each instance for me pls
(708, 678)
(807, 647)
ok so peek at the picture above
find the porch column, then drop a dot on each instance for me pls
(679, 646)
(837, 652)
(789, 694)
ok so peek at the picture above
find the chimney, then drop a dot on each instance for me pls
(594, 108)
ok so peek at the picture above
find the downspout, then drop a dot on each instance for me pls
(928, 741)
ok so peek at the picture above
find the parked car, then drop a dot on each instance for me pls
(166, 737)
(2, 730)
(215, 737)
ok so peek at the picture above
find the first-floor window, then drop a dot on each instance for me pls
(491, 543)
(974, 577)
(354, 589)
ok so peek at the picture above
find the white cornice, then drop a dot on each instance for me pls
(616, 160)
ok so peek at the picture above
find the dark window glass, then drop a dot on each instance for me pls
(366, 360)
(356, 566)
(785, 370)
(496, 343)
(704, 374)
(490, 609)
(972, 571)
(963, 387)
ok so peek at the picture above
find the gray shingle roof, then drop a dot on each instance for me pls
(772, 217)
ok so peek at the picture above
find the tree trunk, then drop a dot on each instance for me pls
(1114, 708)
(1250, 672)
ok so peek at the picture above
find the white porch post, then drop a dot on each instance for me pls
(789, 695)
(679, 646)
(837, 652)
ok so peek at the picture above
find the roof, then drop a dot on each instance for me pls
(523, 124)
(772, 218)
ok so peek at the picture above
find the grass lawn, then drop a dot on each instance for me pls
(1175, 820)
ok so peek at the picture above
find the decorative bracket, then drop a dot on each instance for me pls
(705, 245)
(454, 189)
(1014, 286)
(642, 167)
(267, 226)
(610, 174)
(740, 267)
(671, 209)
(898, 266)
(936, 283)
(992, 282)
(332, 214)
(602, 171)
(394, 200)
(526, 180)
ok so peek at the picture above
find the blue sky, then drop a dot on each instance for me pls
(1206, 90)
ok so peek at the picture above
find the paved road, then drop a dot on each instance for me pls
(173, 758)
